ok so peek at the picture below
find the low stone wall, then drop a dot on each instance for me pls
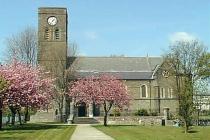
(136, 120)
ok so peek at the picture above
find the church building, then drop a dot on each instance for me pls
(150, 85)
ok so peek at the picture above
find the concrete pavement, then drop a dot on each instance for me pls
(87, 132)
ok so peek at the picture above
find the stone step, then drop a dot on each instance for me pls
(85, 120)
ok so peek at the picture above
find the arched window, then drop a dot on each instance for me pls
(47, 34)
(57, 33)
(143, 91)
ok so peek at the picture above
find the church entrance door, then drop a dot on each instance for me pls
(82, 110)
(96, 110)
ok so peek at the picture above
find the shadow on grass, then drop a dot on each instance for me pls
(115, 126)
(51, 123)
(11, 138)
(32, 126)
(193, 131)
(123, 125)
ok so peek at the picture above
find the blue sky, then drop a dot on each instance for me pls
(115, 27)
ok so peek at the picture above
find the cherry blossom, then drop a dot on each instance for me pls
(28, 86)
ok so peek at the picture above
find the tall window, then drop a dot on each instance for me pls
(143, 91)
(57, 34)
(47, 34)
(162, 92)
(156, 92)
(170, 93)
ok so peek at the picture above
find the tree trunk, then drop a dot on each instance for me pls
(26, 115)
(1, 107)
(8, 119)
(61, 115)
(60, 108)
(106, 110)
(13, 118)
(185, 127)
(13, 111)
(105, 119)
(19, 117)
(0, 118)
(47, 108)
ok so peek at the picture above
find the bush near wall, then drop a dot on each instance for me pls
(153, 114)
(142, 112)
(115, 112)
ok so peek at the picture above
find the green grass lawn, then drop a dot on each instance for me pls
(37, 132)
(155, 133)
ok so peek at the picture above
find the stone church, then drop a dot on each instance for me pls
(149, 84)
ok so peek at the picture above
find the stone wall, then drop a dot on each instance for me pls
(135, 120)
(152, 102)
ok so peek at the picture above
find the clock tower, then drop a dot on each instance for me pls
(52, 39)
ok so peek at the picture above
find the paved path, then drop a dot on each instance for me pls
(87, 132)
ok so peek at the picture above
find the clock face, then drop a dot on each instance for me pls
(165, 73)
(52, 21)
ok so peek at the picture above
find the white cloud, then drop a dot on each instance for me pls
(181, 36)
(91, 35)
(82, 54)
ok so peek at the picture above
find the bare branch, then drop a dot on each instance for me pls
(23, 46)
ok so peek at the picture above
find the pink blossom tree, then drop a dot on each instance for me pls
(29, 87)
(105, 90)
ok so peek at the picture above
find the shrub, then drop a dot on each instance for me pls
(154, 113)
(141, 112)
(115, 112)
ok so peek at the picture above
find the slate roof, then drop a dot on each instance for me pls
(124, 67)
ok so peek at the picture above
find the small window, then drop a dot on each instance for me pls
(143, 91)
(47, 34)
(162, 92)
(57, 34)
